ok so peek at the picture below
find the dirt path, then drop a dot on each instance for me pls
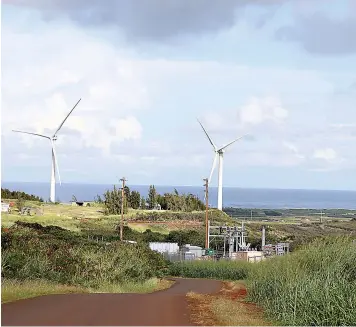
(164, 308)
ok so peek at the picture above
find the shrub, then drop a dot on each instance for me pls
(32, 251)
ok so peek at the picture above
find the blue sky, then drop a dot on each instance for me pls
(282, 71)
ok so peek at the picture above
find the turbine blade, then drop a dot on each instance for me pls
(40, 135)
(224, 147)
(56, 162)
(210, 140)
(213, 167)
(60, 126)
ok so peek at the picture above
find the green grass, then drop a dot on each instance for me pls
(12, 289)
(313, 286)
(226, 270)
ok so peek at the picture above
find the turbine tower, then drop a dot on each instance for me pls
(55, 167)
(219, 152)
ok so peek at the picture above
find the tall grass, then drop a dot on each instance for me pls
(49, 253)
(313, 286)
(228, 270)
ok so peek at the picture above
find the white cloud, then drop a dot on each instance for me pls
(327, 154)
(258, 110)
(127, 95)
(38, 93)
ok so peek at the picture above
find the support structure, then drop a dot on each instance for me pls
(220, 180)
(206, 213)
(123, 180)
(234, 237)
(53, 179)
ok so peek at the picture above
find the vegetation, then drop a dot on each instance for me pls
(113, 202)
(152, 197)
(225, 270)
(31, 251)
(12, 289)
(133, 199)
(7, 194)
(315, 286)
(261, 214)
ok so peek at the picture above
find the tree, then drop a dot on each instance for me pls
(74, 198)
(127, 196)
(152, 197)
(143, 203)
(135, 198)
(98, 199)
(112, 202)
(20, 202)
(7, 194)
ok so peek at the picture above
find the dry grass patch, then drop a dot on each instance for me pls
(227, 308)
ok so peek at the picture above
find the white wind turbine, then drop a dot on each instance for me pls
(219, 152)
(52, 139)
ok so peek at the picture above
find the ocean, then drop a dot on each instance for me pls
(232, 197)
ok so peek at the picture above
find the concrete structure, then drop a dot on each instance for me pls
(164, 247)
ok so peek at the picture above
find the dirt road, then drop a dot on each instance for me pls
(164, 308)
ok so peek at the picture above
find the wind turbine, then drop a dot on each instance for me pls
(55, 167)
(219, 152)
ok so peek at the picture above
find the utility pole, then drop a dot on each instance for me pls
(206, 213)
(123, 180)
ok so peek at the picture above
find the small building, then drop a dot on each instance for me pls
(192, 251)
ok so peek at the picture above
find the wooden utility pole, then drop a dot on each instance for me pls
(206, 213)
(123, 180)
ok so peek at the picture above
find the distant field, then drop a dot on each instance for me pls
(91, 220)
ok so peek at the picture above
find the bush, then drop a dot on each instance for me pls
(32, 251)
(312, 286)
(225, 270)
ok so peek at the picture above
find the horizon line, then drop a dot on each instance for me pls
(172, 185)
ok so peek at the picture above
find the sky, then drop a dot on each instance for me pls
(283, 72)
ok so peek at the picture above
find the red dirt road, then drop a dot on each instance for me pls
(164, 308)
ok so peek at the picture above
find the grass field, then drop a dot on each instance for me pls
(91, 219)
(12, 289)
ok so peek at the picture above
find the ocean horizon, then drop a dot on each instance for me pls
(261, 198)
